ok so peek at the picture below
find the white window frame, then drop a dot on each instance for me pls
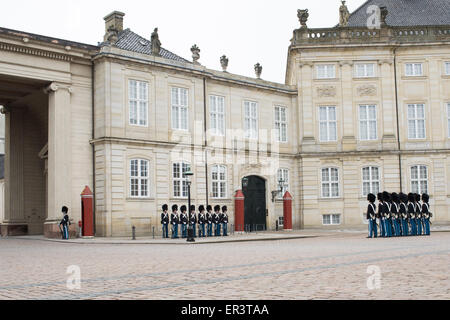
(138, 115)
(448, 118)
(334, 219)
(179, 180)
(140, 176)
(416, 120)
(329, 183)
(365, 70)
(328, 124)
(412, 69)
(447, 68)
(217, 115)
(283, 173)
(250, 119)
(420, 179)
(326, 71)
(281, 123)
(219, 181)
(371, 181)
(179, 105)
(364, 110)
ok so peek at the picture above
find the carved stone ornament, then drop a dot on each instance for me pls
(383, 14)
(344, 15)
(258, 70)
(303, 16)
(367, 90)
(224, 63)
(195, 54)
(156, 44)
(326, 91)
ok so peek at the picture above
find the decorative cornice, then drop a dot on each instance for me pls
(34, 52)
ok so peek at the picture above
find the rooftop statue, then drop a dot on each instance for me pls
(303, 17)
(344, 15)
(156, 44)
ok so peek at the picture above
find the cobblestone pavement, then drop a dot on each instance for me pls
(328, 267)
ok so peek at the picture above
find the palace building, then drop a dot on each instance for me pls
(365, 108)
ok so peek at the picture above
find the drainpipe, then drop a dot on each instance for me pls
(93, 137)
(206, 141)
(398, 122)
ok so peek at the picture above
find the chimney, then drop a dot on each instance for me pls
(114, 21)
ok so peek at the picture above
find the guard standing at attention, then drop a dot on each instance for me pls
(209, 220)
(193, 220)
(380, 215)
(426, 213)
(174, 220)
(65, 223)
(372, 216)
(165, 221)
(404, 213)
(201, 221)
(216, 221)
(184, 220)
(418, 214)
(225, 221)
(387, 213)
(395, 213)
(412, 214)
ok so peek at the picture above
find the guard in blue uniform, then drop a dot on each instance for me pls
(209, 220)
(404, 213)
(372, 216)
(380, 215)
(412, 213)
(216, 221)
(174, 221)
(193, 220)
(224, 219)
(165, 221)
(395, 213)
(65, 223)
(426, 213)
(184, 220)
(387, 213)
(201, 221)
(418, 214)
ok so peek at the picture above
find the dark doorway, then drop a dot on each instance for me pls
(254, 189)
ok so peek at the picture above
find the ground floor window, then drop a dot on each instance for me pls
(139, 178)
(331, 219)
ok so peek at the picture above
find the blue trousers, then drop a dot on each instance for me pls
(195, 232)
(404, 227)
(65, 232)
(413, 227)
(174, 231)
(397, 228)
(209, 229)
(388, 227)
(372, 228)
(217, 229)
(427, 227)
(165, 230)
(419, 227)
(225, 229)
(201, 230)
(184, 231)
(383, 226)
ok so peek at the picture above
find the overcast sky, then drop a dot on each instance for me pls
(247, 31)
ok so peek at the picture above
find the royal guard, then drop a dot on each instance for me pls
(174, 220)
(209, 220)
(165, 221)
(225, 221)
(184, 220)
(404, 213)
(418, 214)
(65, 223)
(387, 213)
(426, 213)
(380, 215)
(372, 216)
(201, 221)
(216, 221)
(395, 213)
(193, 220)
(412, 213)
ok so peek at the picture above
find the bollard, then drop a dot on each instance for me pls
(133, 232)
(153, 232)
(276, 225)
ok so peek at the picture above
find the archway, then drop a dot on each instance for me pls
(254, 189)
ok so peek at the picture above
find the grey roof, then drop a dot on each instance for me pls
(406, 12)
(128, 40)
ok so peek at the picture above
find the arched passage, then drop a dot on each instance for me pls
(254, 189)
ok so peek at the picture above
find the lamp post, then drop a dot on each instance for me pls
(275, 192)
(190, 237)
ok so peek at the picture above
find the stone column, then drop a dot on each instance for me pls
(389, 133)
(307, 103)
(347, 115)
(59, 156)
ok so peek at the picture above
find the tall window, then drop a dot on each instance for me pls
(419, 179)
(219, 181)
(180, 182)
(139, 178)
(330, 183)
(331, 219)
(447, 68)
(448, 119)
(251, 119)
(368, 122)
(217, 115)
(365, 70)
(283, 174)
(180, 109)
(138, 102)
(326, 71)
(280, 124)
(371, 180)
(328, 123)
(413, 69)
(416, 121)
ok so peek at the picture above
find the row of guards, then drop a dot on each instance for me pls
(87, 226)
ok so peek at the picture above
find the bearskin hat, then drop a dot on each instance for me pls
(217, 208)
(395, 197)
(380, 196)
(183, 208)
(403, 197)
(65, 209)
(386, 196)
(201, 208)
(411, 197)
(224, 209)
(209, 208)
(425, 197)
(165, 207)
(371, 197)
(417, 196)
(192, 208)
